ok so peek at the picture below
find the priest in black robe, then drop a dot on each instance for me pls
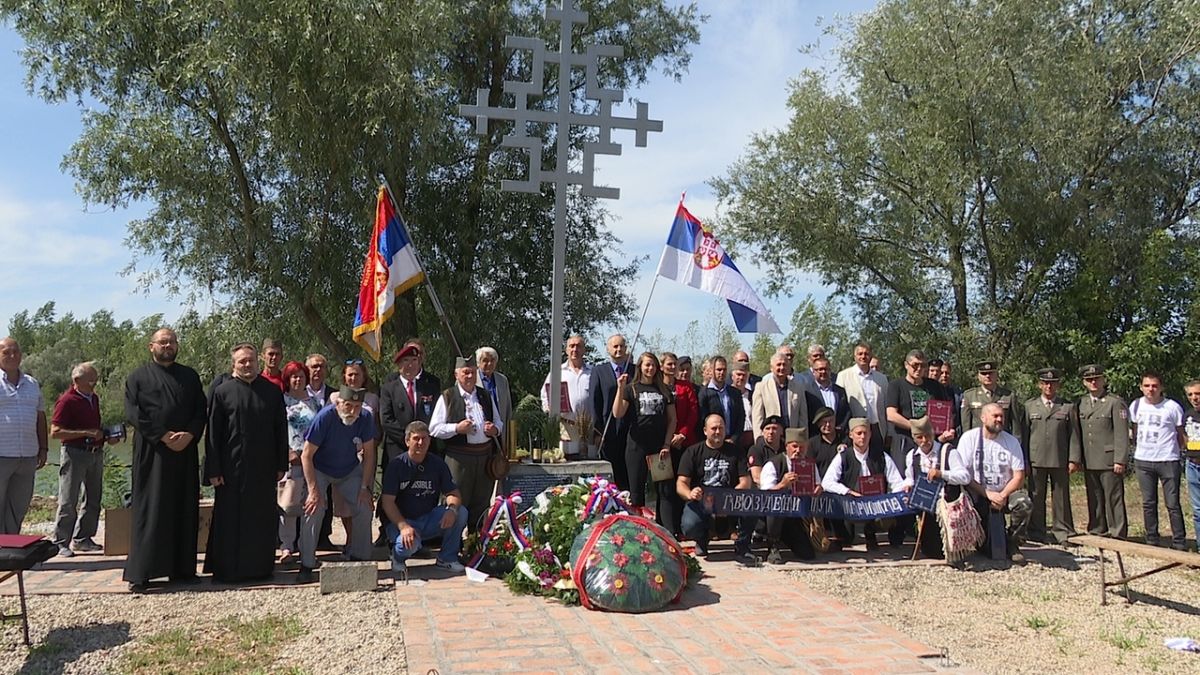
(164, 401)
(245, 456)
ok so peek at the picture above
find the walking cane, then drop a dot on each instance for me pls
(920, 529)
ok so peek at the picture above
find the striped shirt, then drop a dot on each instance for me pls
(19, 408)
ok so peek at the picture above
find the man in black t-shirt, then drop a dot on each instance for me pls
(713, 463)
(767, 447)
(908, 399)
(412, 485)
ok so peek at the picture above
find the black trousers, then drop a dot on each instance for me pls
(793, 533)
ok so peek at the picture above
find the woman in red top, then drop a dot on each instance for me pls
(687, 433)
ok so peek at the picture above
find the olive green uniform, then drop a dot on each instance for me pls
(1051, 439)
(1104, 436)
(975, 398)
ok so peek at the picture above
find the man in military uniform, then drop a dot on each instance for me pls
(1051, 437)
(988, 391)
(1104, 437)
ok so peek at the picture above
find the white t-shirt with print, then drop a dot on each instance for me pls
(1157, 429)
(1002, 457)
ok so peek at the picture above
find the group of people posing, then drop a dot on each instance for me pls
(1008, 456)
(286, 452)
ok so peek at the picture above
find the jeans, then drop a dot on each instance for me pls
(1149, 475)
(84, 469)
(1193, 481)
(427, 527)
(697, 524)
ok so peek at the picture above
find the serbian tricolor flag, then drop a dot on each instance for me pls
(694, 257)
(390, 269)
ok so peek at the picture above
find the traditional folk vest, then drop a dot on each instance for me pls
(456, 410)
(852, 468)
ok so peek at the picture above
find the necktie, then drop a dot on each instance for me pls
(412, 396)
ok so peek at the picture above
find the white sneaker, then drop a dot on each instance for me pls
(452, 566)
(65, 552)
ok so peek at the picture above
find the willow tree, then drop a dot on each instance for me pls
(1014, 177)
(256, 133)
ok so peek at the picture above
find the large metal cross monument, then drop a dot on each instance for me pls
(563, 117)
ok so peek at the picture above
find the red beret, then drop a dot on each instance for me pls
(408, 350)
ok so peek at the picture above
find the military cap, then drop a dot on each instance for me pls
(771, 419)
(1092, 370)
(464, 362)
(352, 394)
(684, 361)
(856, 422)
(794, 435)
(937, 363)
(1049, 375)
(986, 366)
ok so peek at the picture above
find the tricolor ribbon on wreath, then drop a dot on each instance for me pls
(605, 498)
(503, 512)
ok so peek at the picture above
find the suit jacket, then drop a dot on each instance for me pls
(503, 396)
(841, 413)
(1103, 431)
(602, 390)
(710, 403)
(1050, 435)
(395, 412)
(848, 380)
(765, 402)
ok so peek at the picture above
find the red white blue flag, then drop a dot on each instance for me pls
(391, 268)
(694, 257)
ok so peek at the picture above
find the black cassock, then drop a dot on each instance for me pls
(165, 484)
(247, 446)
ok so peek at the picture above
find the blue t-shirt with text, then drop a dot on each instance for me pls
(417, 487)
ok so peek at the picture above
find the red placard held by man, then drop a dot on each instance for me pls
(870, 486)
(806, 476)
(941, 415)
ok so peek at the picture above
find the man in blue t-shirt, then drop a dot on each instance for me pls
(412, 485)
(338, 434)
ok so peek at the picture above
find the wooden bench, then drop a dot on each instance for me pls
(1118, 546)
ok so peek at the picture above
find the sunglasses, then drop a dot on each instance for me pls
(354, 362)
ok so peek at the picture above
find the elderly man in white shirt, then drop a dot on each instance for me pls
(576, 376)
(862, 460)
(989, 462)
(466, 418)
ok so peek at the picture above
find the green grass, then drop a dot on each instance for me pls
(231, 646)
(1133, 507)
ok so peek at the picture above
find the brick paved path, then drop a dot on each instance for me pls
(737, 620)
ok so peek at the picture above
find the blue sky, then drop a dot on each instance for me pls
(59, 249)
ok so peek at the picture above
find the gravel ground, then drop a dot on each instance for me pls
(90, 633)
(1044, 617)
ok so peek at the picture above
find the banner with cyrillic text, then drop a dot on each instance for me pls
(721, 501)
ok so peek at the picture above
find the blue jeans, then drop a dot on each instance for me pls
(1193, 481)
(1169, 475)
(697, 524)
(426, 527)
